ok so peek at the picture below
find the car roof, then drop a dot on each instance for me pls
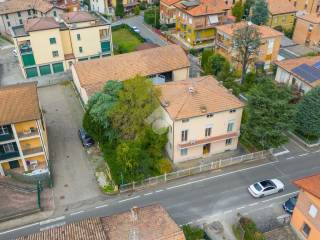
(267, 183)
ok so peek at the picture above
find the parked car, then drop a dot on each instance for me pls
(86, 140)
(135, 29)
(289, 205)
(265, 188)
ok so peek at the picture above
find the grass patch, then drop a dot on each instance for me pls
(194, 233)
(125, 39)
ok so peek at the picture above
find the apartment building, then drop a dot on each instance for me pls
(101, 6)
(168, 11)
(204, 118)
(196, 21)
(23, 136)
(16, 12)
(309, 6)
(307, 30)
(270, 42)
(161, 64)
(46, 46)
(281, 14)
(306, 217)
(127, 4)
(301, 73)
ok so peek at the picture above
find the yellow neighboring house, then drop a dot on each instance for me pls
(306, 215)
(270, 43)
(23, 136)
(196, 20)
(203, 117)
(309, 6)
(281, 13)
(45, 46)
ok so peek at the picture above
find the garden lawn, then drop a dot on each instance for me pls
(125, 40)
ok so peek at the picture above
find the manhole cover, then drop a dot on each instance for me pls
(62, 197)
(66, 185)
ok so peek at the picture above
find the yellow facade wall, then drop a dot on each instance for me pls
(66, 42)
(25, 126)
(5, 166)
(286, 21)
(30, 143)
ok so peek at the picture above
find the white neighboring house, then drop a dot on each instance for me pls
(100, 6)
(302, 73)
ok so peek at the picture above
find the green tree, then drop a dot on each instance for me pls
(193, 232)
(136, 10)
(152, 17)
(247, 40)
(260, 13)
(206, 53)
(247, 8)
(215, 64)
(137, 101)
(119, 9)
(307, 118)
(95, 120)
(269, 115)
(238, 11)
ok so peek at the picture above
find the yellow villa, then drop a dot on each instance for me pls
(23, 136)
(281, 13)
(45, 46)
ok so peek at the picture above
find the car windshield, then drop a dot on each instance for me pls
(293, 200)
(257, 186)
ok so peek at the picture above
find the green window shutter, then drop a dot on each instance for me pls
(57, 67)
(95, 57)
(28, 60)
(45, 70)
(53, 40)
(31, 72)
(83, 59)
(105, 46)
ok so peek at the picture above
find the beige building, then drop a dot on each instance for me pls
(168, 11)
(16, 12)
(302, 73)
(161, 64)
(310, 6)
(204, 118)
(307, 30)
(269, 48)
(23, 135)
(46, 46)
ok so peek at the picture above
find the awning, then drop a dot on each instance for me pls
(213, 19)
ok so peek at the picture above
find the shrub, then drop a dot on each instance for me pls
(193, 232)
(136, 10)
(164, 166)
(251, 230)
(164, 27)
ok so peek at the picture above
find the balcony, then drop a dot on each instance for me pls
(8, 155)
(6, 137)
(29, 134)
(32, 151)
(25, 49)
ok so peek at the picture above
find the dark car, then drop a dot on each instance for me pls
(86, 140)
(289, 205)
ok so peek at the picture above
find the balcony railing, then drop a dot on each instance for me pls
(24, 49)
(28, 134)
(6, 137)
(30, 151)
(8, 155)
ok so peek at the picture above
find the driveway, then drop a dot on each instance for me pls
(74, 180)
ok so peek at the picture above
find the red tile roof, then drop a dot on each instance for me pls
(76, 17)
(169, 2)
(205, 7)
(313, 18)
(42, 23)
(310, 184)
(280, 7)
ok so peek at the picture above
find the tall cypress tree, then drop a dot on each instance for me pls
(260, 14)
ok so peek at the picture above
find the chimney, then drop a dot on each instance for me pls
(230, 90)
(191, 90)
(134, 213)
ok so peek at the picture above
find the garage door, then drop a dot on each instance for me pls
(31, 72)
(45, 70)
(57, 67)
(28, 60)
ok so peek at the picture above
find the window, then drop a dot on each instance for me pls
(305, 6)
(230, 126)
(7, 17)
(55, 54)
(229, 141)
(54, 13)
(52, 40)
(8, 148)
(80, 49)
(190, 20)
(185, 120)
(29, 12)
(34, 11)
(8, 23)
(209, 115)
(4, 130)
(306, 229)
(184, 135)
(184, 151)
(20, 21)
(78, 37)
(313, 211)
(232, 111)
(208, 132)
(310, 28)
(284, 19)
(295, 3)
(19, 14)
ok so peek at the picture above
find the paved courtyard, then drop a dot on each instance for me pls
(74, 180)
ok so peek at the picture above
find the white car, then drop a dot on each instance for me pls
(135, 29)
(265, 188)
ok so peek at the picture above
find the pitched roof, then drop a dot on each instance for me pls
(93, 74)
(280, 6)
(196, 97)
(290, 64)
(42, 23)
(204, 7)
(12, 6)
(19, 103)
(265, 31)
(151, 222)
(76, 17)
(89, 229)
(169, 2)
(313, 18)
(310, 184)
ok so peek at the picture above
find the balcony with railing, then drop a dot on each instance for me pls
(32, 132)
(32, 151)
(26, 54)
(9, 155)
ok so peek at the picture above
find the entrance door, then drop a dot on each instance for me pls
(14, 164)
(206, 148)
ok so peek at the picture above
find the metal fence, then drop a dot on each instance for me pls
(214, 165)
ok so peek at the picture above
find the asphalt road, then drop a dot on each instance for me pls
(200, 198)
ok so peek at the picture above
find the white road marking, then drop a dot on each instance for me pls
(239, 208)
(281, 153)
(102, 206)
(294, 141)
(128, 199)
(281, 196)
(317, 151)
(52, 220)
(302, 155)
(160, 190)
(290, 157)
(253, 204)
(20, 228)
(76, 213)
(147, 194)
(221, 175)
(53, 226)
